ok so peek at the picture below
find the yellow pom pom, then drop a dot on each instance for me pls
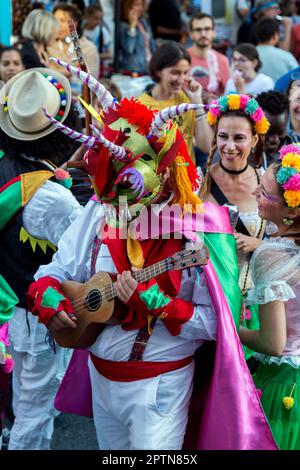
(234, 102)
(288, 402)
(211, 119)
(262, 126)
(291, 160)
(292, 198)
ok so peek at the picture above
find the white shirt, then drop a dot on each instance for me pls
(256, 86)
(73, 260)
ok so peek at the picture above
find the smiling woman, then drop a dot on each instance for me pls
(246, 77)
(170, 68)
(239, 128)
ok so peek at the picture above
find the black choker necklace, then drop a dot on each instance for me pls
(233, 172)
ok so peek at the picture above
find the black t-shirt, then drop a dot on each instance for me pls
(165, 13)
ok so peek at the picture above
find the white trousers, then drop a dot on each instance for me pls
(34, 388)
(147, 414)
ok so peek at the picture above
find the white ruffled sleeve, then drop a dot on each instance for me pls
(50, 212)
(275, 268)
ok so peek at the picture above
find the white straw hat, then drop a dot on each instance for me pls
(23, 97)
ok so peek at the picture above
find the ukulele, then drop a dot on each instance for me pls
(94, 303)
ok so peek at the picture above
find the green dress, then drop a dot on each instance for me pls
(275, 268)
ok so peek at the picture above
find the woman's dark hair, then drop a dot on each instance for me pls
(167, 55)
(8, 49)
(74, 12)
(249, 51)
(256, 157)
(56, 147)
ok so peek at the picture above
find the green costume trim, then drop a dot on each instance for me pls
(15, 196)
(277, 382)
(1, 154)
(222, 249)
(8, 301)
(153, 298)
(10, 202)
(51, 298)
(24, 236)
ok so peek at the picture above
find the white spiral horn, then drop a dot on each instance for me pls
(105, 98)
(166, 114)
(90, 141)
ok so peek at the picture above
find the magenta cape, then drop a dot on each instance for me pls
(231, 415)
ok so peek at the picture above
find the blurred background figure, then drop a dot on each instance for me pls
(266, 9)
(209, 67)
(240, 10)
(276, 108)
(10, 63)
(293, 94)
(97, 31)
(275, 61)
(63, 47)
(166, 21)
(39, 32)
(136, 43)
(246, 78)
(19, 12)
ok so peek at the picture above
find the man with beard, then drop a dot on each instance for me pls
(209, 67)
(35, 210)
(276, 107)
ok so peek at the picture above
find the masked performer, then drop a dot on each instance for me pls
(141, 365)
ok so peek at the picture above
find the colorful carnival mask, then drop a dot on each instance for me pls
(136, 145)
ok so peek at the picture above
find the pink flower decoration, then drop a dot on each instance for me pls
(9, 365)
(293, 183)
(244, 101)
(291, 148)
(216, 112)
(248, 314)
(257, 115)
(61, 174)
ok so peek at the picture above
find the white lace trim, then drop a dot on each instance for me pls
(293, 361)
(278, 290)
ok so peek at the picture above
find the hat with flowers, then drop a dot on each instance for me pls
(235, 102)
(288, 175)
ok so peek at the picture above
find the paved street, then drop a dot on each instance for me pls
(72, 432)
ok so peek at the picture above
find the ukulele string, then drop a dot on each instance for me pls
(108, 293)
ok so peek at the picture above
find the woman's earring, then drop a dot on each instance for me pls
(287, 221)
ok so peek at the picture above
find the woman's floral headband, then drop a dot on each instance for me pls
(234, 102)
(288, 176)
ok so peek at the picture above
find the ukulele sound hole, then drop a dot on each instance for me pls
(93, 301)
